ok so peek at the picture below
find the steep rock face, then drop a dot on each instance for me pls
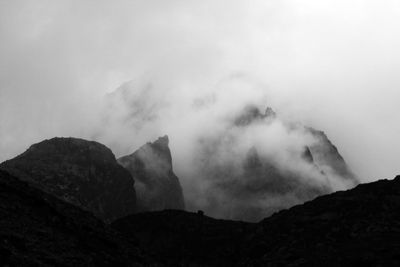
(81, 172)
(156, 185)
(38, 229)
(326, 154)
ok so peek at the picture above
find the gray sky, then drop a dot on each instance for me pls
(331, 64)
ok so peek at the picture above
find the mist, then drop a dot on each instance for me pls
(191, 67)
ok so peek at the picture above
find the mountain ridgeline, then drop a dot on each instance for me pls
(87, 174)
(239, 184)
(70, 202)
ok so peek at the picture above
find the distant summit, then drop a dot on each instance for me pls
(251, 114)
(253, 182)
(156, 185)
(84, 173)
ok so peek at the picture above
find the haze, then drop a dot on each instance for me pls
(332, 65)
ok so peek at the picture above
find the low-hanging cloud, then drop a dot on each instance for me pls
(217, 137)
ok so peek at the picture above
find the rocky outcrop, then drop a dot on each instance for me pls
(156, 184)
(83, 173)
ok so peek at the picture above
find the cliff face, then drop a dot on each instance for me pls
(325, 154)
(156, 184)
(80, 172)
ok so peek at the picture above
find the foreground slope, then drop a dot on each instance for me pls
(179, 238)
(81, 172)
(37, 229)
(358, 227)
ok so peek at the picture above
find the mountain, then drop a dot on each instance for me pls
(261, 164)
(157, 186)
(357, 227)
(38, 229)
(239, 160)
(83, 173)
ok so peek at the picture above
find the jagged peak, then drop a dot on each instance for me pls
(252, 113)
(269, 112)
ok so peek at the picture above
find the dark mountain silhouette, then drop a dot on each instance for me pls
(38, 229)
(358, 227)
(179, 238)
(157, 186)
(81, 172)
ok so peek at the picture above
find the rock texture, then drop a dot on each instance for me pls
(81, 172)
(38, 229)
(156, 185)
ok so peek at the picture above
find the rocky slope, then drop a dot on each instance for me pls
(358, 227)
(157, 186)
(80, 172)
(38, 229)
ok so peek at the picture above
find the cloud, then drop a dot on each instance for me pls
(330, 64)
(233, 160)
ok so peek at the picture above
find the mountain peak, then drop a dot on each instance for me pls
(79, 172)
(163, 140)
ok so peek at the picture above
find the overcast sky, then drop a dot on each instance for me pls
(331, 64)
